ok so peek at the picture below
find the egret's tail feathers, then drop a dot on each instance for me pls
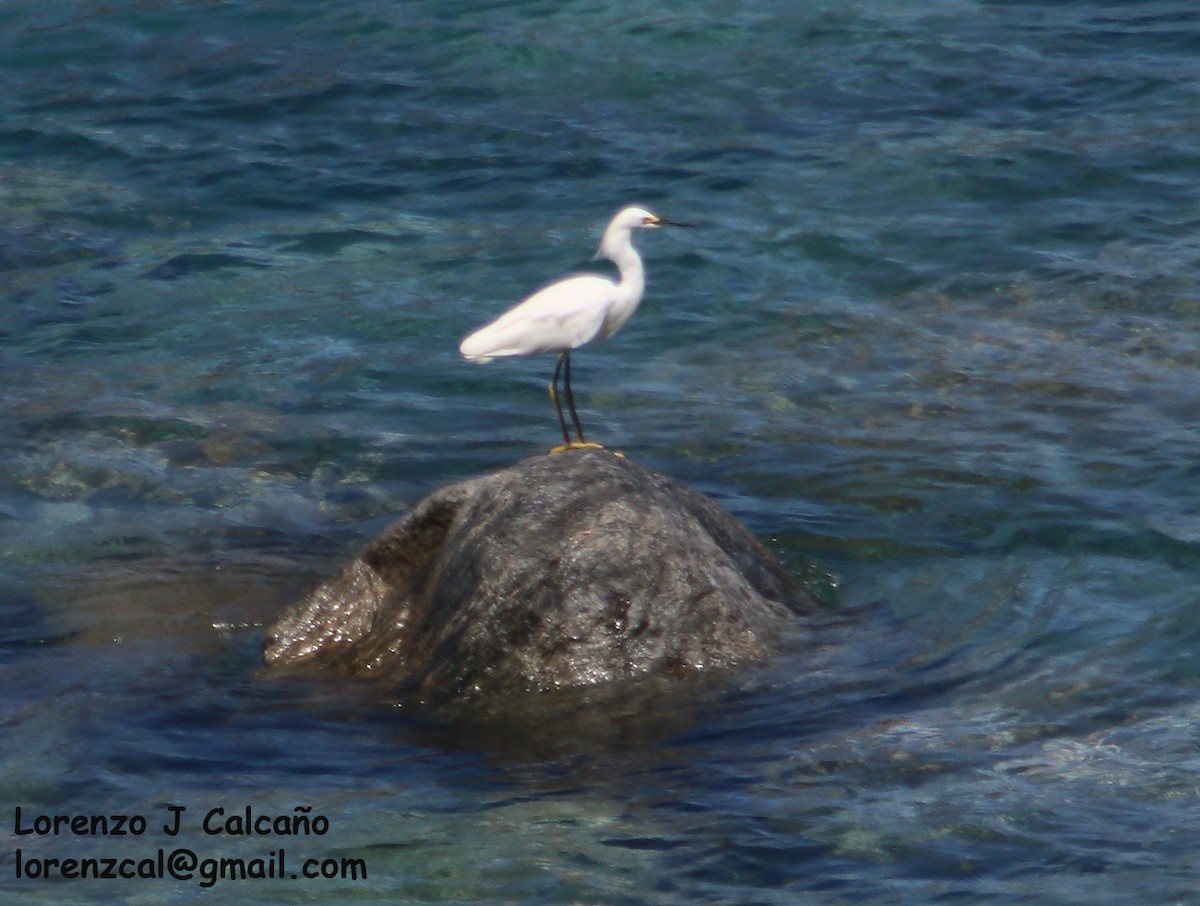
(475, 348)
(503, 337)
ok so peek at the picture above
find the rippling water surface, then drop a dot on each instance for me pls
(938, 332)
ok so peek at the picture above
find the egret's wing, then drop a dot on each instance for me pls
(564, 315)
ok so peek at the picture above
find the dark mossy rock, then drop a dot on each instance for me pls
(562, 571)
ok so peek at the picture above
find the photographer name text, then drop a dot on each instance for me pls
(241, 823)
(181, 863)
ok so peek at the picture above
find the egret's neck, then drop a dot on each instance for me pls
(633, 275)
(618, 249)
(630, 287)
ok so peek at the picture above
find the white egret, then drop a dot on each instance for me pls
(572, 313)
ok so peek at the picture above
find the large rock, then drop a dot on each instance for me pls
(562, 571)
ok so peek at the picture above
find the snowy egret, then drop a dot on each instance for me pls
(572, 313)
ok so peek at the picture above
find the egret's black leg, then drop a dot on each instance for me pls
(571, 396)
(562, 422)
(564, 367)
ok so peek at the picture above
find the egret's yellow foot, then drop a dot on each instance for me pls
(577, 445)
(583, 445)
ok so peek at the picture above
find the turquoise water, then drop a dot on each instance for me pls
(936, 331)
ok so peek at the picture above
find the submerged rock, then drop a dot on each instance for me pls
(561, 571)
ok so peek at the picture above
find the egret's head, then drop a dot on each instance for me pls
(617, 234)
(638, 218)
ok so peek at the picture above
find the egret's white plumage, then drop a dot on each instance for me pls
(572, 312)
(564, 315)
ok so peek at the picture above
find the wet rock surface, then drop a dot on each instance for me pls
(562, 571)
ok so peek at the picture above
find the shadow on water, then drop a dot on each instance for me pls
(174, 660)
(809, 683)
